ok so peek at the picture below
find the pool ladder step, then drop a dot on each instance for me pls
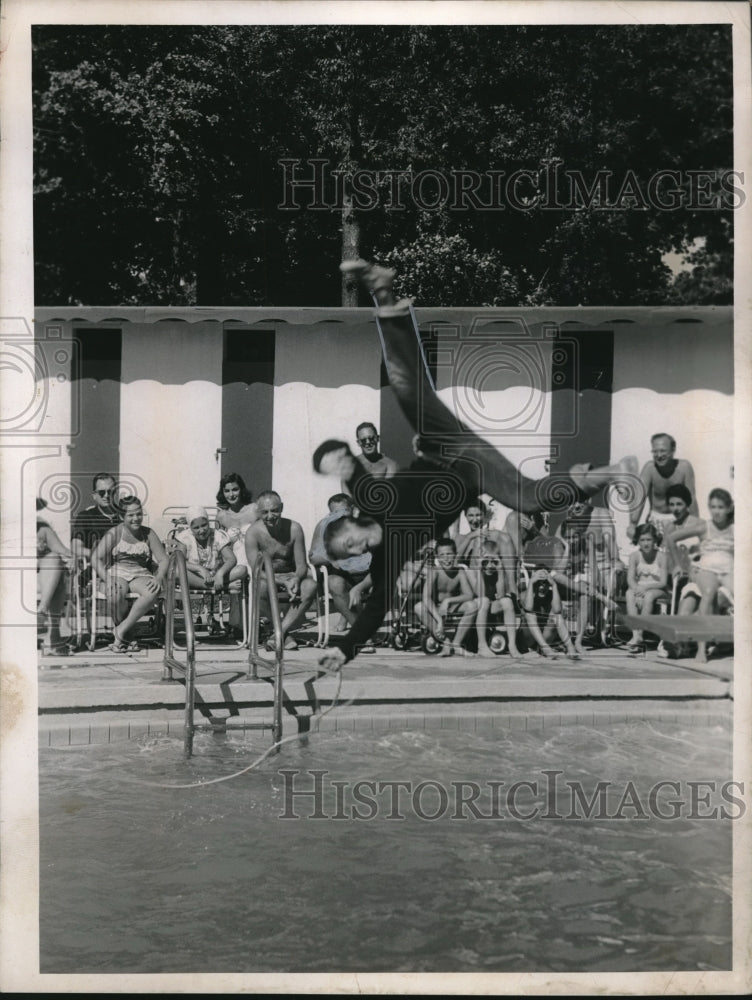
(177, 575)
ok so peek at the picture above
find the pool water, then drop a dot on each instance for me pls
(221, 878)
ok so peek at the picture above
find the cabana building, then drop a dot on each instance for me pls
(170, 399)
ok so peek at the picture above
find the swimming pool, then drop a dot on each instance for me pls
(137, 878)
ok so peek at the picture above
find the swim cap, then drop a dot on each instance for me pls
(194, 513)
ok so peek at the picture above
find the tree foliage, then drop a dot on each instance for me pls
(158, 177)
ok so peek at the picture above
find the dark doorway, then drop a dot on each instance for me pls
(95, 400)
(582, 377)
(248, 406)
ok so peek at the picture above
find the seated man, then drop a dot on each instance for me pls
(92, 524)
(541, 605)
(210, 561)
(283, 540)
(349, 578)
(494, 599)
(447, 589)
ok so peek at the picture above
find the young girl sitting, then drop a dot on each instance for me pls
(713, 574)
(544, 621)
(647, 578)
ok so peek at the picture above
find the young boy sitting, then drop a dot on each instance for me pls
(448, 588)
(494, 600)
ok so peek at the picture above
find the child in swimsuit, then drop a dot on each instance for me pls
(647, 578)
(712, 576)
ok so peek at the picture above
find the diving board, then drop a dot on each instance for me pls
(683, 628)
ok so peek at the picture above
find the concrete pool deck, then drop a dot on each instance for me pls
(101, 696)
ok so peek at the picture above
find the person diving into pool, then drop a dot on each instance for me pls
(399, 515)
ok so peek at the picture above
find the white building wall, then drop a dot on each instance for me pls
(54, 413)
(171, 415)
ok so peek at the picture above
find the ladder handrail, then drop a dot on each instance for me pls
(322, 634)
(177, 572)
(264, 562)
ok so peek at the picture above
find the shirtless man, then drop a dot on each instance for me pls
(662, 471)
(379, 465)
(283, 540)
(447, 588)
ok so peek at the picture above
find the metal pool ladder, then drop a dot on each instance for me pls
(177, 575)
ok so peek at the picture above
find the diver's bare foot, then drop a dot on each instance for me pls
(701, 656)
(547, 652)
(587, 479)
(628, 465)
(377, 280)
(401, 308)
(579, 648)
(486, 652)
(447, 649)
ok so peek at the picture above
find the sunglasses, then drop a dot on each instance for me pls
(368, 440)
(104, 493)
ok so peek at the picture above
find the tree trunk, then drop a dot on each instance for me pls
(350, 250)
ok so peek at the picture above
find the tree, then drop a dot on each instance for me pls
(159, 158)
